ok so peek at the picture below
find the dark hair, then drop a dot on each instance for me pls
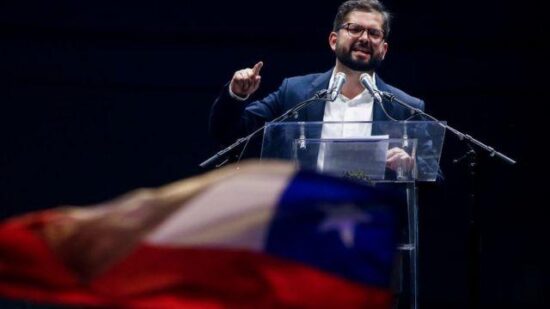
(362, 5)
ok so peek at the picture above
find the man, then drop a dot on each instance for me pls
(359, 42)
(358, 39)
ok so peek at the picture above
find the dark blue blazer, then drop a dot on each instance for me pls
(231, 119)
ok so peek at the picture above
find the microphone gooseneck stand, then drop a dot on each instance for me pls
(470, 158)
(318, 96)
(463, 137)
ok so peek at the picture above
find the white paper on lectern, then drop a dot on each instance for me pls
(364, 155)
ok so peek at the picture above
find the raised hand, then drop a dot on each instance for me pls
(246, 81)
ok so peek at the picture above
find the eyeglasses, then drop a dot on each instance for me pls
(356, 31)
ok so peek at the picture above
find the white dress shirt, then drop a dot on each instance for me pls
(347, 110)
(344, 110)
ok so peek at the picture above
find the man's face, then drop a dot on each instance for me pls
(360, 51)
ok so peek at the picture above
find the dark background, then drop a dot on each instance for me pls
(101, 97)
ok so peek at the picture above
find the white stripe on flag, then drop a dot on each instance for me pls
(232, 214)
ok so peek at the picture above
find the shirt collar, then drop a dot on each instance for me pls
(332, 81)
(334, 73)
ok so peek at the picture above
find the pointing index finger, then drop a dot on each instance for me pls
(257, 67)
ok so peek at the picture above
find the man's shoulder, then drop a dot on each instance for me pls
(403, 96)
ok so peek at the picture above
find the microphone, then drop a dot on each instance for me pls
(337, 84)
(367, 83)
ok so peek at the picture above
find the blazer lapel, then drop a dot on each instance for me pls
(315, 111)
(377, 112)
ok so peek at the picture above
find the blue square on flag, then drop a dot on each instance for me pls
(337, 226)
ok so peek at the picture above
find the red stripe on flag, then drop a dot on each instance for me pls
(174, 277)
(164, 276)
(30, 270)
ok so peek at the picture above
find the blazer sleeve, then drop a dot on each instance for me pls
(231, 119)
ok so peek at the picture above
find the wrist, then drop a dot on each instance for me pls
(236, 96)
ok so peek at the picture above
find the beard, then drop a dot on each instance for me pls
(346, 58)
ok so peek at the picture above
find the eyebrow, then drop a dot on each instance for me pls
(371, 27)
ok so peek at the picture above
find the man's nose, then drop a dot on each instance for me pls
(364, 36)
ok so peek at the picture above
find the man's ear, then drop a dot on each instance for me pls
(332, 38)
(384, 50)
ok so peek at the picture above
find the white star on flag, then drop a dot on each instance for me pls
(344, 218)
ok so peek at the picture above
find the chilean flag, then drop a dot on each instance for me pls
(262, 235)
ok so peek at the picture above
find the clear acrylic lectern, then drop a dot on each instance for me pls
(359, 153)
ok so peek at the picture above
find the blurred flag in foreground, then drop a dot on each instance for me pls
(262, 235)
